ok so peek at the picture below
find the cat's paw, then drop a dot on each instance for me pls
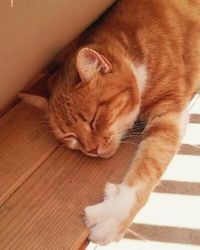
(107, 219)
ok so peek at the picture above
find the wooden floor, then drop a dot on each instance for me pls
(44, 187)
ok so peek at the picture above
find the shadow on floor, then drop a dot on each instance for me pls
(187, 149)
(178, 187)
(165, 234)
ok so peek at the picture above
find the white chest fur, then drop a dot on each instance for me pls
(141, 74)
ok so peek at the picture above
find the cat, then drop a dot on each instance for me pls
(140, 60)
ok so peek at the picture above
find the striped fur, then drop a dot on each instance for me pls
(139, 60)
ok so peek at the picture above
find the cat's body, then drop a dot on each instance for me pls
(141, 60)
(164, 36)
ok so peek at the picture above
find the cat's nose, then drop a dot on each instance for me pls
(94, 150)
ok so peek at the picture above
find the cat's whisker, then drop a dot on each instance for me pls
(128, 142)
(132, 134)
(139, 126)
(42, 122)
(138, 130)
(131, 138)
(43, 125)
(40, 126)
(140, 123)
(135, 133)
(36, 129)
(47, 123)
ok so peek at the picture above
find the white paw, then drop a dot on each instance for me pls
(105, 219)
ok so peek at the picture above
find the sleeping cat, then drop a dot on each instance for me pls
(140, 60)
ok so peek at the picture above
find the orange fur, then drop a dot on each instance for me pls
(90, 104)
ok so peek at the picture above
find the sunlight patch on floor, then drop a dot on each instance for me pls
(183, 168)
(194, 106)
(192, 135)
(140, 245)
(171, 210)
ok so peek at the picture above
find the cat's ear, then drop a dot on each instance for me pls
(37, 94)
(37, 101)
(89, 62)
(38, 91)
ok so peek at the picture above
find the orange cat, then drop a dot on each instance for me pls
(140, 60)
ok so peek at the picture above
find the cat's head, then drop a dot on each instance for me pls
(92, 115)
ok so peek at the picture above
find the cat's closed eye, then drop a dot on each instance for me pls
(70, 137)
(93, 122)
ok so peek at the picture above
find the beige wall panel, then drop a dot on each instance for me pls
(33, 31)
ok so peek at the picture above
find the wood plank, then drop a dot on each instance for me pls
(84, 245)
(24, 145)
(10, 105)
(46, 212)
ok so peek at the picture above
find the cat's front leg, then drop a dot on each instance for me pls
(109, 219)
